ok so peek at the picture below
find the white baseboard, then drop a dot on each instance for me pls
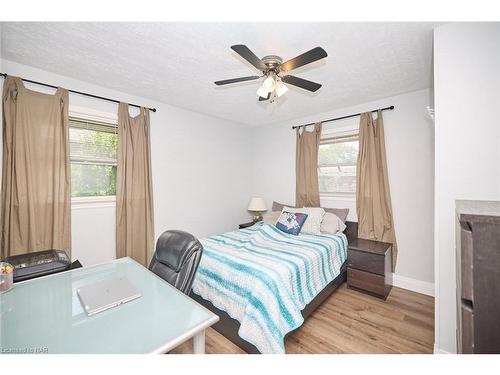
(440, 351)
(419, 286)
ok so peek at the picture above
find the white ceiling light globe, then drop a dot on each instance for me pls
(262, 91)
(269, 83)
(280, 88)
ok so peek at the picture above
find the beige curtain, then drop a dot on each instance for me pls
(134, 191)
(306, 167)
(373, 197)
(36, 190)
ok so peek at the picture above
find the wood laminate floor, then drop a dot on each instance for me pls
(353, 322)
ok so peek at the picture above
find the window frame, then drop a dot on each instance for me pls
(332, 136)
(102, 117)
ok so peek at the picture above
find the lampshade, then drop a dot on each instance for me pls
(280, 88)
(257, 204)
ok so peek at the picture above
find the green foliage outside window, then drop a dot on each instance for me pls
(93, 148)
(338, 153)
(93, 180)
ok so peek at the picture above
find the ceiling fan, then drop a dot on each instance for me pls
(272, 68)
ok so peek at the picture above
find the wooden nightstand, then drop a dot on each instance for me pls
(369, 267)
(246, 225)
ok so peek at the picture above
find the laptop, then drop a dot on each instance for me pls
(106, 294)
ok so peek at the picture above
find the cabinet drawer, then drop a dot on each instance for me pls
(360, 260)
(366, 281)
(466, 253)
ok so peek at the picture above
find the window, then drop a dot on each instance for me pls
(93, 147)
(337, 159)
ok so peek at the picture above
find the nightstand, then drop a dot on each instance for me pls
(246, 225)
(369, 267)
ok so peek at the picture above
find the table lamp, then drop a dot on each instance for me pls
(257, 206)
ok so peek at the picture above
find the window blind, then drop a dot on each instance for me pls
(92, 142)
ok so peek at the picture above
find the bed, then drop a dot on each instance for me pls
(263, 283)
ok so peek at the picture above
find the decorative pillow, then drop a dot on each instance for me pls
(271, 217)
(279, 207)
(332, 224)
(290, 222)
(314, 217)
(341, 213)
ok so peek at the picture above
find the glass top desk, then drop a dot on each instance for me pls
(44, 315)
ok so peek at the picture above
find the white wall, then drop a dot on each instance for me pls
(410, 159)
(467, 100)
(200, 168)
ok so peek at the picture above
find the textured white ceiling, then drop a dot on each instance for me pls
(176, 63)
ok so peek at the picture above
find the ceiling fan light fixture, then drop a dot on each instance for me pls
(271, 67)
(269, 83)
(280, 88)
(262, 92)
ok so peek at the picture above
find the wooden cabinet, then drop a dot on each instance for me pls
(369, 267)
(478, 276)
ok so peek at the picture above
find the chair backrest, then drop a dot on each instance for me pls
(176, 259)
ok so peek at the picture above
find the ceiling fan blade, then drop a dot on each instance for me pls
(261, 98)
(249, 56)
(302, 83)
(308, 57)
(235, 80)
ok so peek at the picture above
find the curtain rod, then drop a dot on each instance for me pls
(343, 117)
(4, 75)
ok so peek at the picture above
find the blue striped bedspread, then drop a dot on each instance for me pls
(263, 278)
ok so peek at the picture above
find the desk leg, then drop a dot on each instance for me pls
(199, 343)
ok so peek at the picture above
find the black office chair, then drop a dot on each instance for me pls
(176, 259)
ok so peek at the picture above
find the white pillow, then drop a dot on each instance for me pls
(271, 217)
(315, 215)
(332, 224)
